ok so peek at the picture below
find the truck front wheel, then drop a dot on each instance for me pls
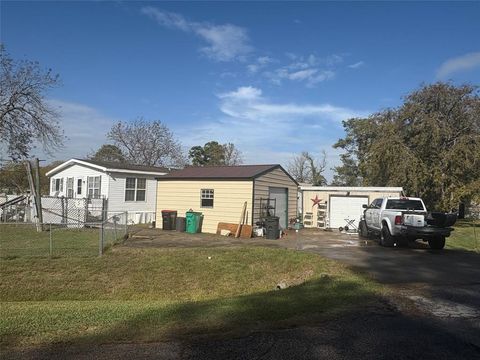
(386, 239)
(437, 243)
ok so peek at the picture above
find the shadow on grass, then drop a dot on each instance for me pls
(321, 319)
(299, 305)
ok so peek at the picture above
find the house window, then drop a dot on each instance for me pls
(135, 189)
(206, 198)
(79, 186)
(70, 187)
(57, 184)
(93, 187)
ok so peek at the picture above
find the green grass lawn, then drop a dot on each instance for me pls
(466, 236)
(155, 294)
(23, 240)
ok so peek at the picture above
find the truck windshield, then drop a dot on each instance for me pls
(404, 204)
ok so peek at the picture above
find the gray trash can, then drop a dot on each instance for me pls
(272, 226)
(180, 225)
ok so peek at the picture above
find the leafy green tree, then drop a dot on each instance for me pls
(214, 153)
(109, 153)
(430, 145)
(348, 173)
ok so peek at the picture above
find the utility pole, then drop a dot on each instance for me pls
(33, 192)
(38, 194)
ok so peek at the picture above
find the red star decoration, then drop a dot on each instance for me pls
(316, 201)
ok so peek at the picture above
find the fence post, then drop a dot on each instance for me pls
(100, 247)
(126, 223)
(51, 240)
(115, 228)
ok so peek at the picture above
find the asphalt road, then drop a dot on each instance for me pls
(434, 312)
(377, 334)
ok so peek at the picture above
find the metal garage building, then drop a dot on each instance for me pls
(332, 207)
(219, 192)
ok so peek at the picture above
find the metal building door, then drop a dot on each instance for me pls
(281, 206)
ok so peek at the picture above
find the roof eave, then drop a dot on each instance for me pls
(176, 178)
(73, 161)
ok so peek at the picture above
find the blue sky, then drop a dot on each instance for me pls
(273, 78)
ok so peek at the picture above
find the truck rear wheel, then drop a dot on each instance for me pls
(386, 239)
(362, 226)
(437, 243)
(402, 241)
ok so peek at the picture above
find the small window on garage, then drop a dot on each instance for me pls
(206, 198)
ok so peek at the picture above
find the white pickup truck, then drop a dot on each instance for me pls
(399, 220)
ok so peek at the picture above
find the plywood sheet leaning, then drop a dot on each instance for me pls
(245, 231)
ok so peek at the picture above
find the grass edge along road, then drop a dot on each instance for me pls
(466, 236)
(157, 294)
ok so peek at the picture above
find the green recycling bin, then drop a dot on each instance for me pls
(194, 222)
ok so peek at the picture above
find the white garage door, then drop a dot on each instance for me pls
(345, 207)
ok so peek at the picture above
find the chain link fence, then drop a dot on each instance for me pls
(71, 212)
(21, 239)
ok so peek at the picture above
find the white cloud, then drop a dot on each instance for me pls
(260, 63)
(356, 65)
(85, 129)
(224, 42)
(302, 74)
(247, 102)
(309, 69)
(272, 132)
(460, 63)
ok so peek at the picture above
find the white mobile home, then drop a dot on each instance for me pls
(125, 187)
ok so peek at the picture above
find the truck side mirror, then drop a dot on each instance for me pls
(364, 206)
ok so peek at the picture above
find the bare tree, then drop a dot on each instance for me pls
(306, 169)
(232, 155)
(25, 115)
(298, 168)
(317, 167)
(147, 143)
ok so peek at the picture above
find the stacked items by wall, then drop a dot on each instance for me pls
(322, 219)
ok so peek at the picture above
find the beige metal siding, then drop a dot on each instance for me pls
(275, 178)
(308, 195)
(183, 195)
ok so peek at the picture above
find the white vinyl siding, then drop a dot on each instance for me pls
(78, 173)
(116, 197)
(112, 187)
